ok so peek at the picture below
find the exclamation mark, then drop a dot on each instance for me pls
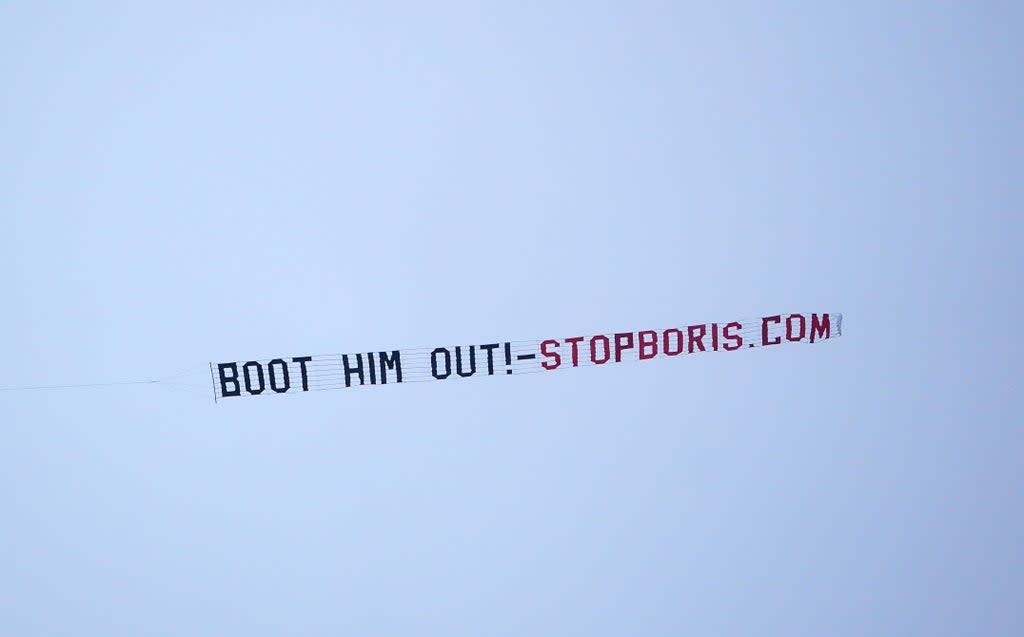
(508, 358)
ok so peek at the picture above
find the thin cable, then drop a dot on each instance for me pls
(34, 387)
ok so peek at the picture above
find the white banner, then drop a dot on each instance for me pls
(296, 374)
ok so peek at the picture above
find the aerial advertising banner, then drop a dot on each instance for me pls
(454, 362)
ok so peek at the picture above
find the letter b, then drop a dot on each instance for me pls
(231, 379)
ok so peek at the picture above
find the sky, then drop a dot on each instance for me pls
(194, 182)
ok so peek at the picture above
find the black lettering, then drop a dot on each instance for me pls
(248, 378)
(284, 375)
(222, 368)
(302, 360)
(373, 369)
(472, 362)
(393, 362)
(349, 370)
(489, 348)
(447, 363)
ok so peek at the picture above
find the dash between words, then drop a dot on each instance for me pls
(373, 368)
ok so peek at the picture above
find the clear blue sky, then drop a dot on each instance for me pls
(194, 182)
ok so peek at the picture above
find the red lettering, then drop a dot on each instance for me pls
(789, 328)
(544, 349)
(701, 330)
(623, 340)
(648, 344)
(732, 337)
(821, 326)
(575, 341)
(593, 350)
(679, 342)
(714, 337)
(764, 330)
